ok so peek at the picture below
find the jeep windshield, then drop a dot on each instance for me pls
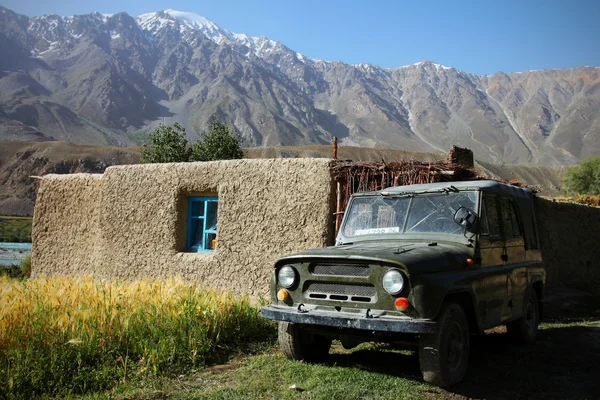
(407, 213)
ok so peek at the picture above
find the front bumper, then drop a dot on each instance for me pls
(345, 320)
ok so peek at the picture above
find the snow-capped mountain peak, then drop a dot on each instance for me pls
(425, 64)
(187, 22)
(192, 19)
(155, 21)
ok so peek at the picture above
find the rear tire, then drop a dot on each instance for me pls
(444, 356)
(297, 344)
(524, 329)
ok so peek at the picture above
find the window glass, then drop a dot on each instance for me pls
(197, 208)
(202, 224)
(431, 212)
(210, 241)
(506, 219)
(509, 220)
(196, 233)
(491, 226)
(485, 228)
(376, 215)
(515, 222)
(211, 216)
(435, 213)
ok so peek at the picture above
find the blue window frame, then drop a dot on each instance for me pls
(202, 224)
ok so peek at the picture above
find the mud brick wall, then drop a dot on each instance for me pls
(66, 225)
(570, 242)
(131, 221)
(461, 156)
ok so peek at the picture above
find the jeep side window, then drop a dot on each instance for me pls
(490, 225)
(509, 220)
(515, 222)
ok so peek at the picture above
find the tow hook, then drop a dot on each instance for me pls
(302, 309)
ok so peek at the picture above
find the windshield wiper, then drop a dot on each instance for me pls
(446, 190)
(450, 189)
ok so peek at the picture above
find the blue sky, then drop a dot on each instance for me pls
(481, 37)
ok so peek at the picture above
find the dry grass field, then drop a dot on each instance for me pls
(69, 336)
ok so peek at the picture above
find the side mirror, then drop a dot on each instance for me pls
(465, 218)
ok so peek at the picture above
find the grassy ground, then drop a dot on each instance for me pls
(15, 229)
(561, 365)
(78, 338)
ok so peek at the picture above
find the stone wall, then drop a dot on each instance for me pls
(131, 221)
(569, 241)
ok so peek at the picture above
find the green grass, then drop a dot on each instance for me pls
(15, 229)
(269, 375)
(560, 365)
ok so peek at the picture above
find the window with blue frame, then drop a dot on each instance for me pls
(202, 224)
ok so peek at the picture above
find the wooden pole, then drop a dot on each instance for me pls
(335, 147)
(338, 207)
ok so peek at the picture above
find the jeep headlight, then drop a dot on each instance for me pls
(393, 281)
(287, 276)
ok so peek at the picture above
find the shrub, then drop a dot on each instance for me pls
(167, 144)
(15, 229)
(219, 142)
(25, 267)
(21, 271)
(584, 178)
(65, 335)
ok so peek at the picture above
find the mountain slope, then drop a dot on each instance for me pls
(108, 79)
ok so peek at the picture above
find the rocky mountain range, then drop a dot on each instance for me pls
(108, 79)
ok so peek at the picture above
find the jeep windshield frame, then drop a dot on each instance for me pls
(382, 215)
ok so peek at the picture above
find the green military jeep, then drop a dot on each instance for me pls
(425, 264)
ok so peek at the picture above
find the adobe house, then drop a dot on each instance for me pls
(224, 223)
(157, 220)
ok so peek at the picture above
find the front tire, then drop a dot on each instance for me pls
(524, 329)
(297, 344)
(444, 356)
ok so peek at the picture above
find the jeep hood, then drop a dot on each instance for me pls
(415, 257)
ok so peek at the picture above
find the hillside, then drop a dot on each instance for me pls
(106, 80)
(19, 161)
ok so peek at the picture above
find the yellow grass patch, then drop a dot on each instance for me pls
(73, 329)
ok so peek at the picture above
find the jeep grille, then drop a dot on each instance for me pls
(341, 292)
(341, 270)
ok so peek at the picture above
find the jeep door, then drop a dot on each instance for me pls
(490, 285)
(514, 257)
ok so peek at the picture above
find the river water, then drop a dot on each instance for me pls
(12, 253)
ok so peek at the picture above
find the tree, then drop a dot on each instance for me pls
(584, 178)
(219, 142)
(167, 144)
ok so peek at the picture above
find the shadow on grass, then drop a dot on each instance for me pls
(562, 364)
(388, 362)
